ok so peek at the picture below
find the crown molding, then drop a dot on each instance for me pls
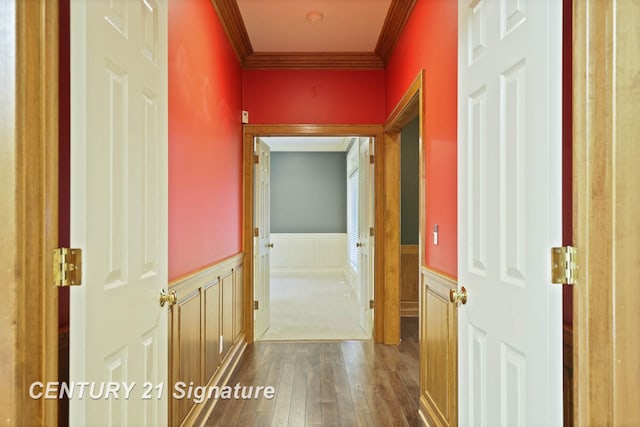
(229, 14)
(397, 17)
(314, 60)
(231, 20)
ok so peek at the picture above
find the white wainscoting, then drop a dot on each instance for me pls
(309, 252)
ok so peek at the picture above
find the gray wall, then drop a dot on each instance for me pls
(409, 181)
(308, 192)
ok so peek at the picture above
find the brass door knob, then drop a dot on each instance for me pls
(359, 245)
(270, 245)
(458, 297)
(170, 298)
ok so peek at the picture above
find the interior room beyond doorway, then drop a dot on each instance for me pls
(317, 205)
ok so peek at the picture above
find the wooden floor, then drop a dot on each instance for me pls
(348, 383)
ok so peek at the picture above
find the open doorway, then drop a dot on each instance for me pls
(312, 223)
(251, 132)
(409, 218)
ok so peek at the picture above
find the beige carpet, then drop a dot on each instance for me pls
(313, 307)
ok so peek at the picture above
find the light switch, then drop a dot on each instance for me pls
(435, 235)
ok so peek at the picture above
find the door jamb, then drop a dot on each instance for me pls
(410, 106)
(605, 206)
(376, 131)
(29, 322)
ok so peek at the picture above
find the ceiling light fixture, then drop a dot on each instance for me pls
(315, 16)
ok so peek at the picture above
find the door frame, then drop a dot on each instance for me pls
(410, 106)
(605, 209)
(29, 191)
(382, 311)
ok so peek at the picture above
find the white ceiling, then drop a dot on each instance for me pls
(282, 26)
(308, 143)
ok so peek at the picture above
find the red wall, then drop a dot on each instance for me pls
(430, 42)
(314, 96)
(205, 140)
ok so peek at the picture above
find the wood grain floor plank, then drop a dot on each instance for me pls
(330, 414)
(327, 380)
(348, 384)
(354, 369)
(313, 414)
(298, 405)
(346, 411)
(284, 389)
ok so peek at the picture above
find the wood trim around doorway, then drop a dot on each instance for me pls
(380, 286)
(29, 191)
(606, 207)
(406, 110)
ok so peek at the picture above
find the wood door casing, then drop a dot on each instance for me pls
(29, 208)
(410, 106)
(375, 131)
(606, 207)
(438, 350)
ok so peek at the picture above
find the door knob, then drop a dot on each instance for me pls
(359, 245)
(458, 297)
(170, 298)
(270, 245)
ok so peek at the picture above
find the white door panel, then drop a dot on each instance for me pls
(262, 249)
(510, 346)
(365, 222)
(119, 207)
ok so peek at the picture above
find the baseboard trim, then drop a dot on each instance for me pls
(221, 379)
(424, 413)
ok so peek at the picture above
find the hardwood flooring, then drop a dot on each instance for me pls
(327, 383)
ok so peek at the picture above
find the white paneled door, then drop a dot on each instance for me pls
(262, 242)
(119, 211)
(365, 240)
(510, 342)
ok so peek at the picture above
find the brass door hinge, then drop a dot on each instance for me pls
(563, 265)
(371, 233)
(371, 304)
(372, 159)
(256, 232)
(67, 267)
(256, 305)
(256, 159)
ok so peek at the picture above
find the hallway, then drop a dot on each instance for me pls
(348, 383)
